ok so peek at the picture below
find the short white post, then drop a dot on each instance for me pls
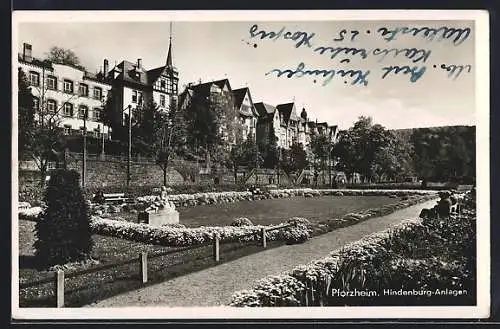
(144, 266)
(216, 247)
(60, 288)
(263, 233)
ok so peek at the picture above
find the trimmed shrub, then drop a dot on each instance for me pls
(296, 234)
(242, 221)
(63, 230)
(299, 221)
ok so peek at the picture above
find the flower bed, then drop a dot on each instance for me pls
(191, 200)
(182, 236)
(414, 256)
(179, 236)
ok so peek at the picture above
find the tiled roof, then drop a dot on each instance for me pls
(288, 111)
(264, 109)
(154, 74)
(130, 73)
(205, 87)
(239, 96)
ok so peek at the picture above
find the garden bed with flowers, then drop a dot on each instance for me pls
(418, 262)
(239, 239)
(180, 235)
(183, 236)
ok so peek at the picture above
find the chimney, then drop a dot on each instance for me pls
(106, 67)
(27, 52)
(139, 64)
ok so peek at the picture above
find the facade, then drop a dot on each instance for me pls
(134, 87)
(268, 117)
(290, 128)
(244, 109)
(289, 125)
(247, 113)
(67, 92)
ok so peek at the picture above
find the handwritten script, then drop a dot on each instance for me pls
(344, 47)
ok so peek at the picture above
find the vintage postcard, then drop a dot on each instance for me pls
(250, 165)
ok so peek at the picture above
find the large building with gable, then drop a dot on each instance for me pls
(66, 92)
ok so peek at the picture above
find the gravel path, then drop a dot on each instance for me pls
(214, 286)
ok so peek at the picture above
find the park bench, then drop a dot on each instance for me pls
(115, 197)
(110, 198)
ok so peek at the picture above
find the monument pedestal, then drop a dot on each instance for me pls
(160, 217)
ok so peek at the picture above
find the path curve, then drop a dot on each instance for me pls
(214, 286)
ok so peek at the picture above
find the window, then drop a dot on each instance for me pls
(68, 86)
(162, 100)
(139, 97)
(68, 110)
(97, 93)
(36, 103)
(82, 112)
(52, 82)
(162, 84)
(134, 96)
(83, 89)
(96, 114)
(34, 78)
(67, 129)
(51, 106)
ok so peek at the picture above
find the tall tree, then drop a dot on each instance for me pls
(269, 149)
(161, 134)
(245, 153)
(320, 146)
(294, 159)
(393, 161)
(63, 56)
(444, 153)
(26, 116)
(212, 124)
(345, 153)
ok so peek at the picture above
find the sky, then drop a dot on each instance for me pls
(209, 50)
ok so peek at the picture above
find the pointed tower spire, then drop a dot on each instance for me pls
(169, 56)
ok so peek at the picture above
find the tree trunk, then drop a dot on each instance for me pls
(164, 175)
(43, 174)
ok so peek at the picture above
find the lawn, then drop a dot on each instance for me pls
(90, 287)
(274, 211)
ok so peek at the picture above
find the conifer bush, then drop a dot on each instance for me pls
(63, 232)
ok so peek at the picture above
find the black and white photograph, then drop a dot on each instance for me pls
(250, 164)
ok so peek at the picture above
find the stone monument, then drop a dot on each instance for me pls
(161, 212)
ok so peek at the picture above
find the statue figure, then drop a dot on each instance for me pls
(164, 198)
